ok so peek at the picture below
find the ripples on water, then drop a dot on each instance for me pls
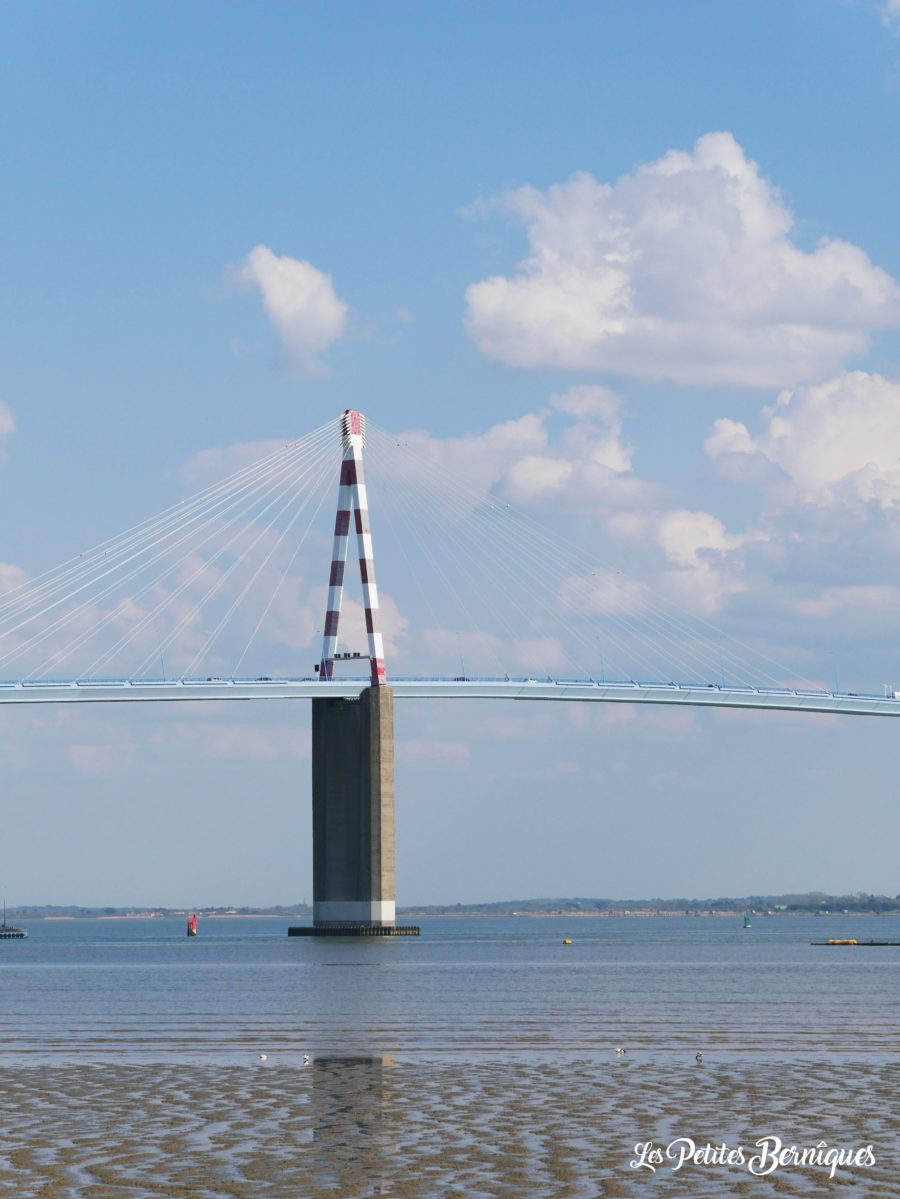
(145, 990)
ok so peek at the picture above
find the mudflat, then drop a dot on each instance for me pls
(560, 1128)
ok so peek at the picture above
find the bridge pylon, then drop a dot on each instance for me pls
(353, 744)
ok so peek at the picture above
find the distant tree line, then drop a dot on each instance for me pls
(811, 902)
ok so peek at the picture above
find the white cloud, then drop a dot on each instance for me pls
(686, 536)
(838, 442)
(11, 577)
(825, 462)
(874, 602)
(208, 466)
(529, 461)
(603, 592)
(695, 562)
(683, 270)
(698, 546)
(301, 303)
(482, 459)
(534, 476)
(699, 566)
(598, 431)
(702, 588)
(298, 622)
(890, 15)
(587, 401)
(352, 629)
(729, 437)
(7, 428)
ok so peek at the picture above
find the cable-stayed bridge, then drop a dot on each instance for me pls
(220, 597)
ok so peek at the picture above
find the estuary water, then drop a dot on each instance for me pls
(143, 991)
(477, 1061)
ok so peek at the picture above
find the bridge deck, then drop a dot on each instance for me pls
(583, 691)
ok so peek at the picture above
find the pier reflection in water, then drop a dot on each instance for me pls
(352, 1118)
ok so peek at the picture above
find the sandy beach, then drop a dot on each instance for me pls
(484, 1127)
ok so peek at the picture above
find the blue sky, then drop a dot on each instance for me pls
(221, 225)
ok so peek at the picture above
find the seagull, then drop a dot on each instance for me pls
(263, 1057)
(306, 1059)
(620, 1052)
(698, 1058)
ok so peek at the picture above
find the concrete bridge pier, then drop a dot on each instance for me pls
(353, 817)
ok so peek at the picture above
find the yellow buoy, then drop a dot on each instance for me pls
(566, 941)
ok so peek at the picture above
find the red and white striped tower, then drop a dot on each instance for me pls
(352, 499)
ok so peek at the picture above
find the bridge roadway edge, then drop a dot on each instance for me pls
(529, 690)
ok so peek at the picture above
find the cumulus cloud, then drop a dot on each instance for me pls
(836, 442)
(598, 428)
(729, 437)
(536, 459)
(603, 592)
(352, 630)
(301, 303)
(683, 270)
(699, 547)
(482, 459)
(686, 536)
(824, 460)
(696, 563)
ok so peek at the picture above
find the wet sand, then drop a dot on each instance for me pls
(470, 1128)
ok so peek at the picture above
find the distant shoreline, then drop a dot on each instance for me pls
(631, 914)
(812, 904)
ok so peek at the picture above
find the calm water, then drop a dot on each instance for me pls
(141, 990)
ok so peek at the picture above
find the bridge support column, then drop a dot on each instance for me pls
(353, 817)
